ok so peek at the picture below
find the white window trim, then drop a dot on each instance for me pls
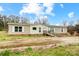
(22, 28)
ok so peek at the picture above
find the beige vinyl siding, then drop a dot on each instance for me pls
(37, 29)
(25, 29)
(10, 29)
(28, 29)
(65, 30)
(60, 30)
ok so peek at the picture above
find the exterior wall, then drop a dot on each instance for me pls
(25, 29)
(65, 30)
(58, 30)
(37, 30)
(10, 29)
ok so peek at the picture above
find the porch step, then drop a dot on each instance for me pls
(49, 34)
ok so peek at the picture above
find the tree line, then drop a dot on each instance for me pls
(4, 20)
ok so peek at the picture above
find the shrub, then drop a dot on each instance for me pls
(17, 53)
(29, 49)
(5, 53)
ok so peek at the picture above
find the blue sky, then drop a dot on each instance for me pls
(56, 13)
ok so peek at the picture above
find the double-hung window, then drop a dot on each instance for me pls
(34, 28)
(18, 29)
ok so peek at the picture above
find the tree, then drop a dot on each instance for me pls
(1, 22)
(13, 18)
(42, 20)
(24, 20)
(65, 23)
(10, 19)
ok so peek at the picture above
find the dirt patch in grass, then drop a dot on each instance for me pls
(13, 44)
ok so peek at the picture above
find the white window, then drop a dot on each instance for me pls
(18, 29)
(34, 28)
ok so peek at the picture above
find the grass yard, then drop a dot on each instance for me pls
(69, 50)
(4, 36)
(72, 50)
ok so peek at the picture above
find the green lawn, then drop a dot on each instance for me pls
(4, 36)
(72, 50)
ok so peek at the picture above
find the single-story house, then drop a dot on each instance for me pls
(20, 28)
(58, 29)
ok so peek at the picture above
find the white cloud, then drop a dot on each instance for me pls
(1, 9)
(62, 6)
(35, 8)
(31, 8)
(71, 14)
(50, 8)
(43, 17)
(57, 24)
